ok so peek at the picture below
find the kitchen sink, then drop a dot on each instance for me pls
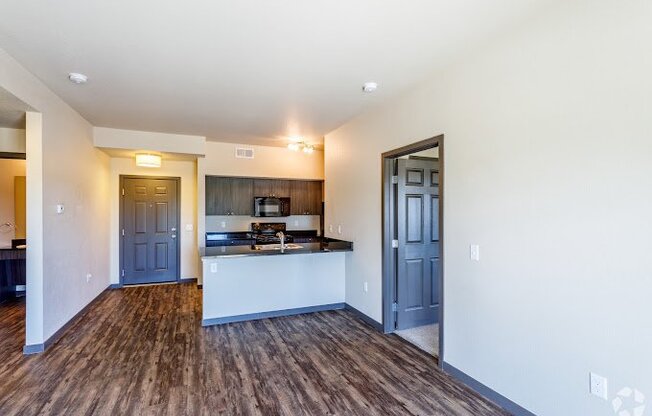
(278, 247)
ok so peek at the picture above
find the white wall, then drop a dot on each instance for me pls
(12, 140)
(62, 167)
(548, 154)
(188, 214)
(9, 169)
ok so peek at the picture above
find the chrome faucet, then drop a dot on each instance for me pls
(281, 235)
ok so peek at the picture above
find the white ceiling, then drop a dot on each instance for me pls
(252, 71)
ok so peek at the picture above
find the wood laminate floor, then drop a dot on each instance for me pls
(142, 350)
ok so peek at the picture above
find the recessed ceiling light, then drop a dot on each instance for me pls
(77, 78)
(369, 87)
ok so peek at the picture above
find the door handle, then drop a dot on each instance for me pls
(173, 236)
(173, 229)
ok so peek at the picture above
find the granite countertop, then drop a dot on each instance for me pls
(328, 245)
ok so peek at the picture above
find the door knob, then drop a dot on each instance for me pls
(173, 229)
(174, 236)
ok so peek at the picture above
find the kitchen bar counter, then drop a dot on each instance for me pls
(327, 245)
(242, 283)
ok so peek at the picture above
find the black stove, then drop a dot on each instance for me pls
(265, 232)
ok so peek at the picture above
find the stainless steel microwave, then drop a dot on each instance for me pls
(271, 207)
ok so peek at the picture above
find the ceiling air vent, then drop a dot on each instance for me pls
(244, 153)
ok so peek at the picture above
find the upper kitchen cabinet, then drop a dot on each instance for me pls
(229, 196)
(305, 197)
(242, 194)
(272, 187)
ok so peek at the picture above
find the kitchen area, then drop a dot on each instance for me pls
(265, 253)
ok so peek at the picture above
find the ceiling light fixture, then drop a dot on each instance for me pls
(147, 160)
(369, 87)
(77, 78)
(296, 146)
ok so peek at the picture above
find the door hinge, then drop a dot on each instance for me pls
(123, 191)
(123, 273)
(123, 232)
(394, 243)
(394, 180)
(394, 306)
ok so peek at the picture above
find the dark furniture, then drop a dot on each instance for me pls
(235, 196)
(12, 272)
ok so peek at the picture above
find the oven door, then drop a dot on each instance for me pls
(268, 207)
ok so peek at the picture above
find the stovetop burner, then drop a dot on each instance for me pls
(265, 232)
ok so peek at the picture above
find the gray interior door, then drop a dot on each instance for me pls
(417, 274)
(150, 242)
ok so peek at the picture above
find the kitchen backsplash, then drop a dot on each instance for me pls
(231, 223)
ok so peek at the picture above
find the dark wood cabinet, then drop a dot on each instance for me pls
(235, 196)
(306, 197)
(242, 194)
(315, 196)
(272, 187)
(229, 196)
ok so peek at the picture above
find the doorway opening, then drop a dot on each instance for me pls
(13, 222)
(149, 229)
(413, 244)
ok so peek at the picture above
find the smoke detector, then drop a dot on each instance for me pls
(369, 87)
(77, 78)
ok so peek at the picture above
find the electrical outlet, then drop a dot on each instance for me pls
(88, 277)
(223, 224)
(598, 386)
(296, 223)
(330, 228)
(339, 229)
(213, 267)
(475, 252)
(366, 286)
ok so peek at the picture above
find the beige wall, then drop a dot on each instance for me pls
(188, 239)
(12, 140)
(9, 169)
(104, 137)
(63, 167)
(548, 168)
(273, 162)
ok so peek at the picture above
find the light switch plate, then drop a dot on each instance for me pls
(475, 252)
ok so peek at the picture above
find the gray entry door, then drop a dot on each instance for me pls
(418, 243)
(150, 241)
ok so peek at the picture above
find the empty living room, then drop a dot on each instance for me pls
(370, 207)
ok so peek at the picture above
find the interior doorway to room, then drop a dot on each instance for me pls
(13, 222)
(412, 244)
(149, 230)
